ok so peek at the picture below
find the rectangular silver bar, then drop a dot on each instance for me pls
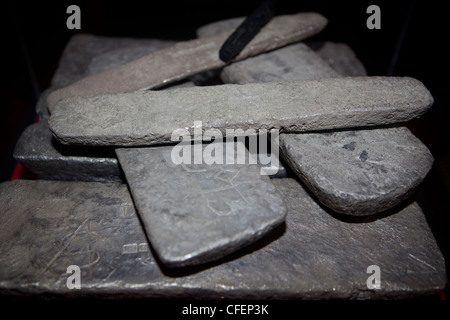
(314, 255)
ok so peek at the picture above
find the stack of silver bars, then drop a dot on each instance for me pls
(291, 177)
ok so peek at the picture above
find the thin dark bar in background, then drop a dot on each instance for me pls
(247, 30)
(400, 40)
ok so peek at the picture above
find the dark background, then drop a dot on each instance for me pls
(410, 43)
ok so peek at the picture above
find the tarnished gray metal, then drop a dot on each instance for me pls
(150, 117)
(340, 57)
(294, 62)
(82, 48)
(196, 213)
(46, 226)
(39, 152)
(36, 148)
(358, 172)
(188, 58)
(316, 255)
(119, 56)
(85, 54)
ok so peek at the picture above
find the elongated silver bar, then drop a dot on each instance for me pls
(190, 57)
(151, 117)
(313, 256)
(356, 172)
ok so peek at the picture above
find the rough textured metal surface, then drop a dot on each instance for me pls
(143, 117)
(82, 48)
(113, 58)
(116, 57)
(340, 57)
(86, 54)
(294, 62)
(196, 213)
(358, 172)
(38, 151)
(188, 58)
(314, 255)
